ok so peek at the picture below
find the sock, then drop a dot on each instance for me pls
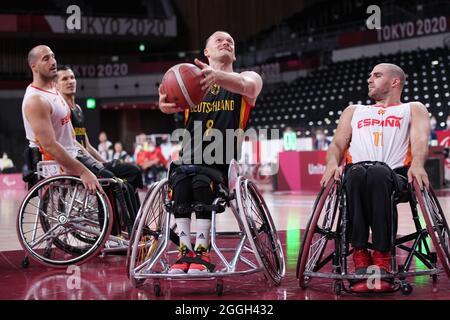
(184, 232)
(203, 230)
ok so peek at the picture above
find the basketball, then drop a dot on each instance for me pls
(181, 83)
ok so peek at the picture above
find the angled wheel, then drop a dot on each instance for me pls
(148, 237)
(260, 229)
(144, 208)
(61, 223)
(437, 225)
(319, 230)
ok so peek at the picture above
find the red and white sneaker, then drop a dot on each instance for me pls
(199, 267)
(181, 266)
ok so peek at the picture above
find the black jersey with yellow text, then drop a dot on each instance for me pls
(77, 119)
(219, 112)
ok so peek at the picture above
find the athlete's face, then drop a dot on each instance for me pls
(220, 47)
(380, 82)
(45, 63)
(66, 82)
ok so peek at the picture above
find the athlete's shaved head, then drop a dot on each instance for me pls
(209, 38)
(35, 53)
(42, 62)
(395, 71)
(386, 80)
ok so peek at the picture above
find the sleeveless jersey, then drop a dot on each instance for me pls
(381, 134)
(220, 110)
(77, 119)
(60, 119)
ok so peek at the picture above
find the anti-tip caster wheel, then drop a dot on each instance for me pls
(25, 262)
(219, 288)
(406, 289)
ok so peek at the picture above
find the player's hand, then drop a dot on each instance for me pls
(90, 181)
(419, 173)
(210, 75)
(331, 171)
(165, 106)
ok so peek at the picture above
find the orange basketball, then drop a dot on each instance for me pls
(181, 83)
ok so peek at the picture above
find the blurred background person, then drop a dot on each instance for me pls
(6, 164)
(289, 140)
(152, 162)
(105, 147)
(119, 153)
(321, 142)
(433, 136)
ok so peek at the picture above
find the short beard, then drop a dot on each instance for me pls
(377, 96)
(48, 78)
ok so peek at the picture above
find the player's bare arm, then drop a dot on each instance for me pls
(92, 151)
(38, 112)
(340, 143)
(247, 83)
(419, 134)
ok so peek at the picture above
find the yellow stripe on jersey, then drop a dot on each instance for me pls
(245, 110)
(186, 116)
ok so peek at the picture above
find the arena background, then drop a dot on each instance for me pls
(314, 57)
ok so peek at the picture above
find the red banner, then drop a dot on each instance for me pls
(11, 181)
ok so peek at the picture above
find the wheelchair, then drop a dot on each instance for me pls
(256, 246)
(325, 246)
(61, 223)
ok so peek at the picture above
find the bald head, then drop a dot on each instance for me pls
(42, 63)
(395, 72)
(214, 34)
(34, 53)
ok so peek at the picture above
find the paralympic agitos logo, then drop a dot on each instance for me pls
(391, 121)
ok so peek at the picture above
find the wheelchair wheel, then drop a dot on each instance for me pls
(437, 225)
(317, 233)
(61, 223)
(260, 230)
(148, 236)
(143, 208)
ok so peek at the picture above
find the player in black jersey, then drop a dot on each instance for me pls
(66, 85)
(227, 105)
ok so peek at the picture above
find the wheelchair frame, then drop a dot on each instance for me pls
(149, 255)
(334, 228)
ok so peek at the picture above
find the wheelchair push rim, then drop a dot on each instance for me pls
(436, 224)
(258, 224)
(148, 236)
(311, 229)
(143, 208)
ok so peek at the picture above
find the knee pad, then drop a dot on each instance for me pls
(202, 211)
(182, 210)
(175, 178)
(202, 181)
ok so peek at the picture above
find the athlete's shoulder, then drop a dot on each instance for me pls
(38, 105)
(350, 109)
(417, 104)
(418, 109)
